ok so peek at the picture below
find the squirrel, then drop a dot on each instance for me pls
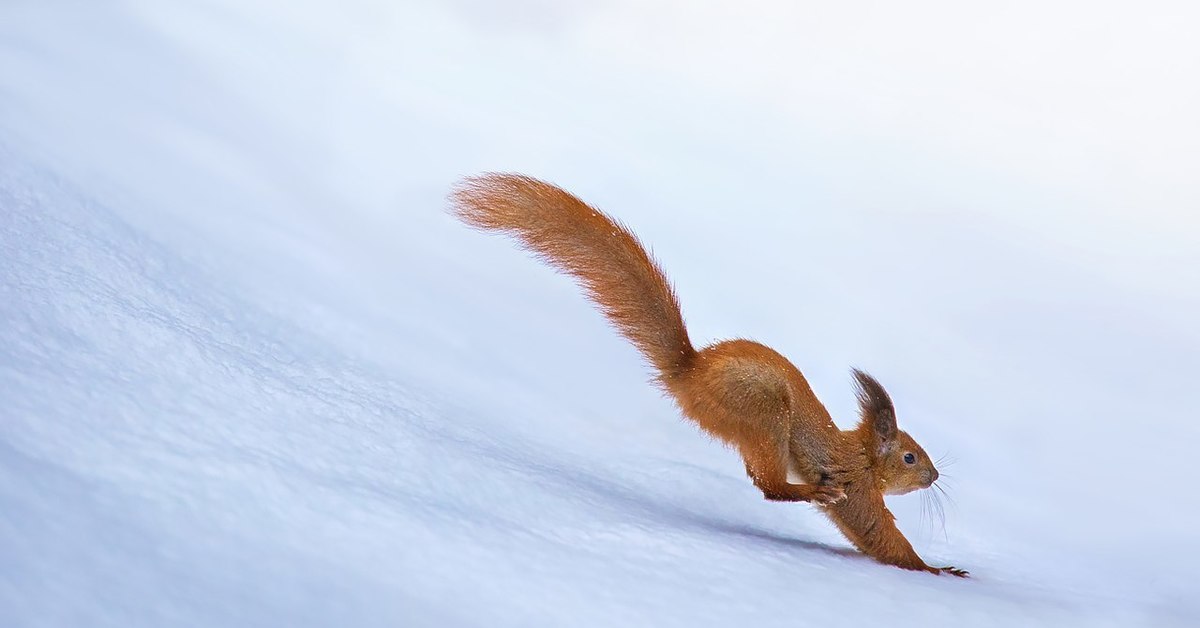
(741, 392)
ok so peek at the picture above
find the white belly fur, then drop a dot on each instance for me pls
(793, 476)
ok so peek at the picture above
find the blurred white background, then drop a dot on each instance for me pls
(991, 208)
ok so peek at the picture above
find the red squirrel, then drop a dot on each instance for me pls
(741, 392)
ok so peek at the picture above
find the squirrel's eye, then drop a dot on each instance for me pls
(909, 458)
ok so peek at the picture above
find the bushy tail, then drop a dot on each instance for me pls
(607, 260)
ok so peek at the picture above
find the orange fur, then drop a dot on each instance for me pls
(742, 392)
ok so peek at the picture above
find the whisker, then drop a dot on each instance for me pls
(924, 504)
(941, 513)
(950, 499)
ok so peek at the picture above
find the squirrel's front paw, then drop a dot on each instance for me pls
(826, 495)
(954, 571)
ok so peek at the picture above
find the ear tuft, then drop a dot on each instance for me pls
(875, 405)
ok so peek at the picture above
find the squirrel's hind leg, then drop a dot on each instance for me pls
(766, 468)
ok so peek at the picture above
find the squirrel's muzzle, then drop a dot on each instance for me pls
(931, 476)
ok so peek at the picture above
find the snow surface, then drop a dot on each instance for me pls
(251, 374)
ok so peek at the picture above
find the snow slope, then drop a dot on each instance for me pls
(251, 374)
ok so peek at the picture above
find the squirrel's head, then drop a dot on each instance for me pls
(900, 464)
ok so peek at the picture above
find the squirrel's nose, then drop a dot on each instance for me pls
(933, 476)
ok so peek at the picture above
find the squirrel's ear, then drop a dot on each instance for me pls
(875, 407)
(885, 425)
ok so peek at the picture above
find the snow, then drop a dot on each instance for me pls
(252, 374)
